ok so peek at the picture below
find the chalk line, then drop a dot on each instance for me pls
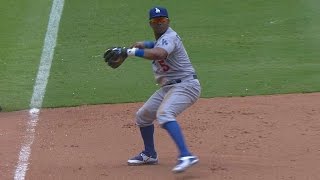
(39, 87)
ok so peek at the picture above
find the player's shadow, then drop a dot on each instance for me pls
(186, 177)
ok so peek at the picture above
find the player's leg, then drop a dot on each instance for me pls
(176, 100)
(179, 98)
(145, 117)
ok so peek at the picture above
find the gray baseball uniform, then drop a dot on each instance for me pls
(180, 87)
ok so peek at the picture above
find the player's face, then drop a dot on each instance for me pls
(159, 24)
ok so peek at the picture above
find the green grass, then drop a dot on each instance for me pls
(239, 48)
(22, 30)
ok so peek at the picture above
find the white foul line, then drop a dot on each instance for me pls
(39, 87)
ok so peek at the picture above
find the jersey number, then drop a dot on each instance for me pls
(163, 65)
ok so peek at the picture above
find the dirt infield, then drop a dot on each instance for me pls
(241, 138)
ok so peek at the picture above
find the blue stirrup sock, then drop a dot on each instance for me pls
(175, 132)
(147, 136)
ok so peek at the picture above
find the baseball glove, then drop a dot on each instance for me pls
(115, 56)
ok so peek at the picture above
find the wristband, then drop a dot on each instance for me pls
(148, 44)
(139, 53)
(135, 52)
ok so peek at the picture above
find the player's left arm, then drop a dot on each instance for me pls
(160, 51)
(115, 56)
(150, 54)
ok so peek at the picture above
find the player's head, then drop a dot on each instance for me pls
(159, 19)
(158, 12)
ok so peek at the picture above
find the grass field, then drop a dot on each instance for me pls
(238, 48)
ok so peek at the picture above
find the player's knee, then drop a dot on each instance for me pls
(139, 114)
(143, 118)
(165, 116)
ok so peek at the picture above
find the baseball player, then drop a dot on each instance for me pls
(179, 88)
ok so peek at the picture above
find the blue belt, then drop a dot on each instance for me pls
(176, 81)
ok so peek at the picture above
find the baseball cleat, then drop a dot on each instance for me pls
(184, 163)
(143, 159)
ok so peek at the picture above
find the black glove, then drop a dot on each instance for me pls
(115, 56)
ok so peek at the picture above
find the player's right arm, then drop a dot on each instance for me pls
(144, 45)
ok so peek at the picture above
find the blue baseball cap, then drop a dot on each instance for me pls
(158, 12)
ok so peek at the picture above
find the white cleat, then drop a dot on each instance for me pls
(184, 163)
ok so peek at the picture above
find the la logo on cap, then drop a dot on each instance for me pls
(157, 10)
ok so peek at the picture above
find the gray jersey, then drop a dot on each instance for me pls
(177, 65)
